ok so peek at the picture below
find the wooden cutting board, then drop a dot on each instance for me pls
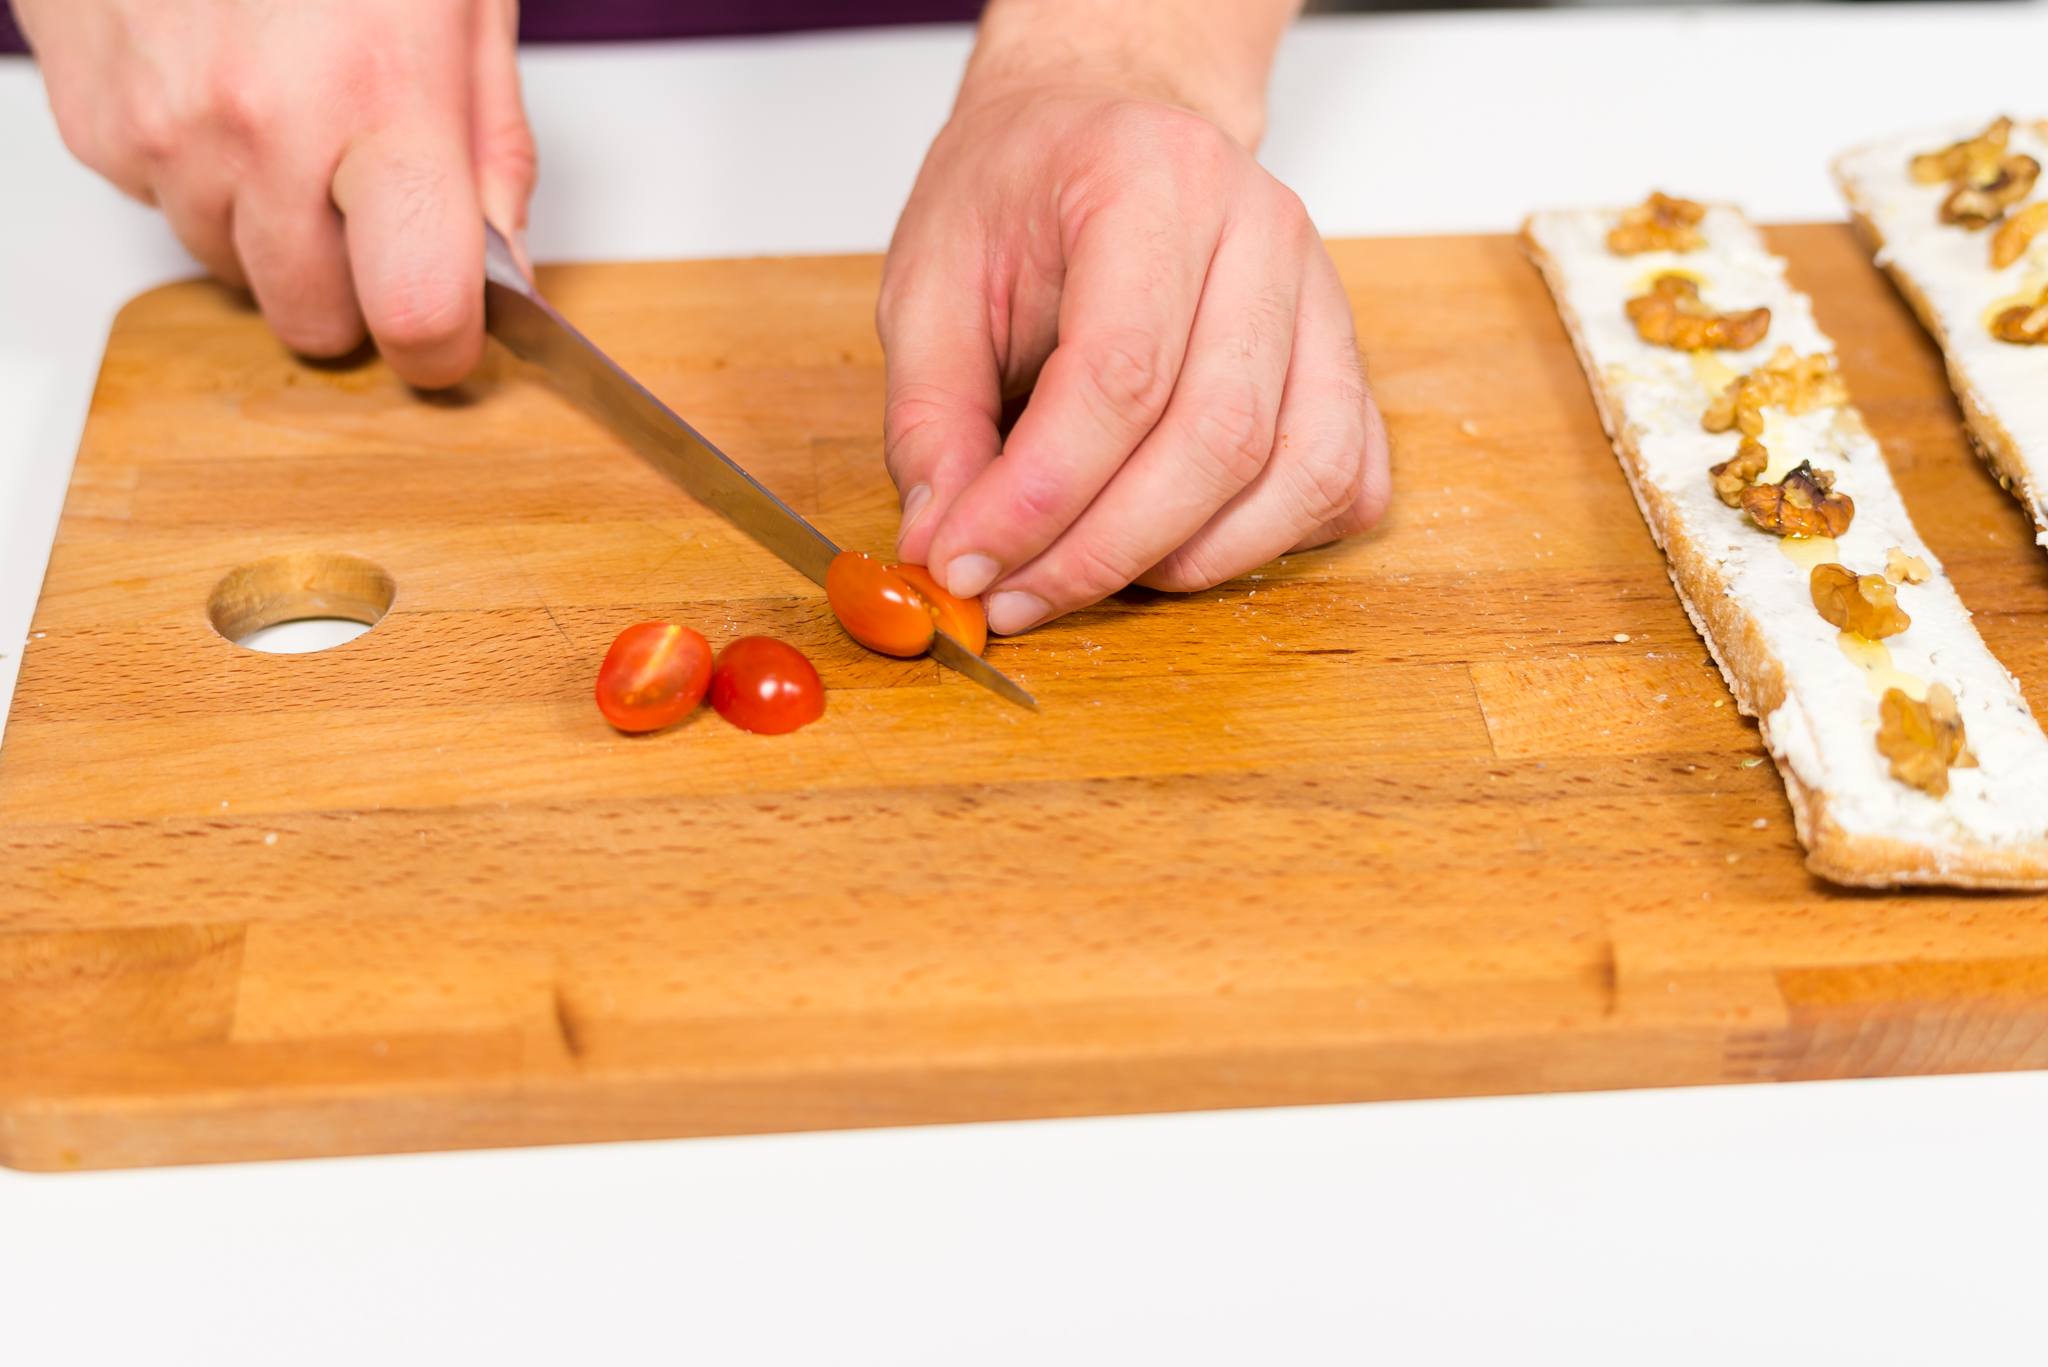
(1455, 807)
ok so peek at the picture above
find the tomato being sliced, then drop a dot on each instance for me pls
(877, 606)
(652, 676)
(960, 618)
(766, 686)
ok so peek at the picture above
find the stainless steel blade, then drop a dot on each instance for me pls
(517, 316)
(524, 322)
(953, 655)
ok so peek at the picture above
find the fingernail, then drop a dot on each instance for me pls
(913, 508)
(1012, 612)
(968, 575)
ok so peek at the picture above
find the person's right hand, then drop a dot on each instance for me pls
(335, 157)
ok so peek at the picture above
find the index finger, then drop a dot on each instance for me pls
(407, 192)
(1126, 310)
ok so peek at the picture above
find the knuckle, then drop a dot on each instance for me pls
(1330, 482)
(323, 333)
(242, 110)
(1129, 378)
(1367, 510)
(890, 302)
(1233, 437)
(1191, 141)
(1359, 518)
(1375, 495)
(154, 131)
(1190, 569)
(928, 428)
(1289, 212)
(510, 153)
(422, 314)
(914, 409)
(905, 453)
(1037, 500)
(376, 85)
(1089, 571)
(904, 417)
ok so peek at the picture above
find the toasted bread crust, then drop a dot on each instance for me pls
(1756, 676)
(1994, 444)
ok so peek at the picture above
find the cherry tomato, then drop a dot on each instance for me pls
(960, 618)
(652, 676)
(765, 686)
(877, 606)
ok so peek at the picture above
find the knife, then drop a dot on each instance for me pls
(516, 315)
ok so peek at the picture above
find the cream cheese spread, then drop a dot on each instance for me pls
(1825, 732)
(1951, 267)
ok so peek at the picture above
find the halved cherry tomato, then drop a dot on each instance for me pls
(960, 618)
(877, 606)
(765, 686)
(652, 676)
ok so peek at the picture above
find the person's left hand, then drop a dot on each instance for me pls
(1197, 406)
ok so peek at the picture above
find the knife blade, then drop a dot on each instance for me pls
(517, 316)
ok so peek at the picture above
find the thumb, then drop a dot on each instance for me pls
(502, 143)
(944, 399)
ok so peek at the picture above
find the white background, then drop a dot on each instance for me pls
(1875, 1222)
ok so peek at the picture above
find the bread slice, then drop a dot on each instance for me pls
(1945, 272)
(1748, 592)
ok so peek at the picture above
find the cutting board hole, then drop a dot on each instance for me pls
(293, 604)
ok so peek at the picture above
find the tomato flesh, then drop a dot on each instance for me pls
(960, 618)
(652, 676)
(766, 686)
(878, 606)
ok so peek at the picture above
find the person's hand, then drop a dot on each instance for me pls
(1091, 228)
(335, 157)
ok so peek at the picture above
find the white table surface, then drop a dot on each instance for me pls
(1876, 1222)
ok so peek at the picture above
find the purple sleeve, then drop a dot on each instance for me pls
(583, 21)
(592, 21)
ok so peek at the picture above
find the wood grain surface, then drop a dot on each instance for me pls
(1455, 807)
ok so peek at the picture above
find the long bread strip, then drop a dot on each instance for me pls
(1945, 271)
(1818, 707)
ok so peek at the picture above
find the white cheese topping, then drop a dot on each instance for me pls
(1951, 266)
(1826, 730)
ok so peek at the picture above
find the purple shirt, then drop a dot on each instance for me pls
(596, 21)
(583, 21)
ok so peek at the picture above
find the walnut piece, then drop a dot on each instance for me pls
(1976, 206)
(1984, 179)
(2023, 324)
(1659, 224)
(1672, 315)
(2016, 234)
(1737, 473)
(1923, 740)
(1901, 568)
(1866, 604)
(1803, 503)
(1972, 156)
(1797, 386)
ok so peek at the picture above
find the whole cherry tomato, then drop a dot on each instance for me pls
(765, 686)
(877, 606)
(652, 676)
(960, 618)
